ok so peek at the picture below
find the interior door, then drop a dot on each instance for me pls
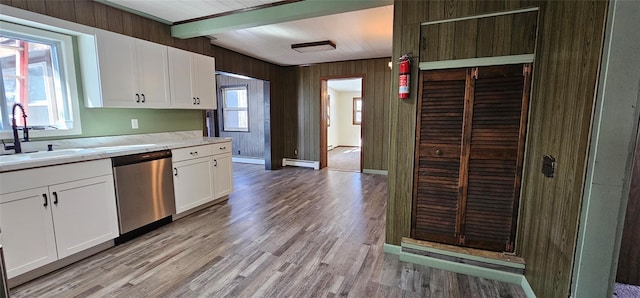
(469, 151)
(438, 143)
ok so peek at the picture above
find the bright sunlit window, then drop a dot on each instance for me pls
(357, 110)
(38, 72)
(235, 110)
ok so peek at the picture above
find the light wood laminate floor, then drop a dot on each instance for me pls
(293, 232)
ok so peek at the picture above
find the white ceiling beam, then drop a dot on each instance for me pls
(272, 15)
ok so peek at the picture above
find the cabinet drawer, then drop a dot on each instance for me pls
(191, 152)
(221, 148)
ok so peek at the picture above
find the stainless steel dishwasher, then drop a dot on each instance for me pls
(144, 189)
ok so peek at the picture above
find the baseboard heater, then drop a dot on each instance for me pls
(301, 163)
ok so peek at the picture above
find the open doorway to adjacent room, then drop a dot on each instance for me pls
(242, 115)
(344, 109)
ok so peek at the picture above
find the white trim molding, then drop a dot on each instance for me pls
(255, 161)
(301, 163)
(495, 14)
(472, 62)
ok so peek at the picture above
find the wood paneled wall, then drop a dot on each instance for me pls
(628, 269)
(303, 109)
(564, 80)
(249, 143)
(511, 34)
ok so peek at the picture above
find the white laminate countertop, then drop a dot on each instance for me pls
(23, 161)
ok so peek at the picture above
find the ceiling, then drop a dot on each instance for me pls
(345, 85)
(266, 29)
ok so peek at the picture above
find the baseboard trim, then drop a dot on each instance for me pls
(492, 274)
(392, 249)
(526, 287)
(255, 161)
(376, 172)
(467, 269)
(301, 163)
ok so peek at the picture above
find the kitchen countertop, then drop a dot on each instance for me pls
(38, 159)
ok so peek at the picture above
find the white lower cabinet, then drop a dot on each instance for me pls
(84, 214)
(201, 174)
(193, 183)
(27, 230)
(222, 174)
(43, 224)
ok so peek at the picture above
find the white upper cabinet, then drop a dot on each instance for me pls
(192, 80)
(132, 73)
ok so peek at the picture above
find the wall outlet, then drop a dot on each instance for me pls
(134, 123)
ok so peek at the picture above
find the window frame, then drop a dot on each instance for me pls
(356, 111)
(67, 63)
(225, 108)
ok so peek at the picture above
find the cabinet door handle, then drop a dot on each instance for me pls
(137, 97)
(198, 98)
(175, 171)
(46, 201)
(215, 162)
(193, 153)
(222, 148)
(194, 100)
(143, 98)
(55, 198)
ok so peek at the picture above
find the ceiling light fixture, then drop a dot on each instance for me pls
(325, 45)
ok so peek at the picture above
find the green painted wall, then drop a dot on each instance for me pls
(109, 122)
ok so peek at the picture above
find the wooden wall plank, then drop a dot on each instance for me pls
(85, 13)
(564, 79)
(512, 34)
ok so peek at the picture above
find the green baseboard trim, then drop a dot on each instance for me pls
(526, 287)
(392, 249)
(464, 256)
(467, 269)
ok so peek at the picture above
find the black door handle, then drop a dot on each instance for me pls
(137, 97)
(46, 201)
(55, 198)
(175, 171)
(143, 98)
(215, 162)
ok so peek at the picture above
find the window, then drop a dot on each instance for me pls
(235, 108)
(38, 72)
(357, 110)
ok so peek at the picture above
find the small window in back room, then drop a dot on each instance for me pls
(235, 109)
(357, 110)
(37, 72)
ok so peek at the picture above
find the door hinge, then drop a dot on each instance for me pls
(526, 69)
(474, 73)
(461, 240)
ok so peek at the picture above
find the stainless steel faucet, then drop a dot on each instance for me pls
(25, 132)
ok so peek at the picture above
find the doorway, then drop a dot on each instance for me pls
(342, 105)
(243, 116)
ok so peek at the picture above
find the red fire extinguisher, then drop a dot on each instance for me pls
(405, 71)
